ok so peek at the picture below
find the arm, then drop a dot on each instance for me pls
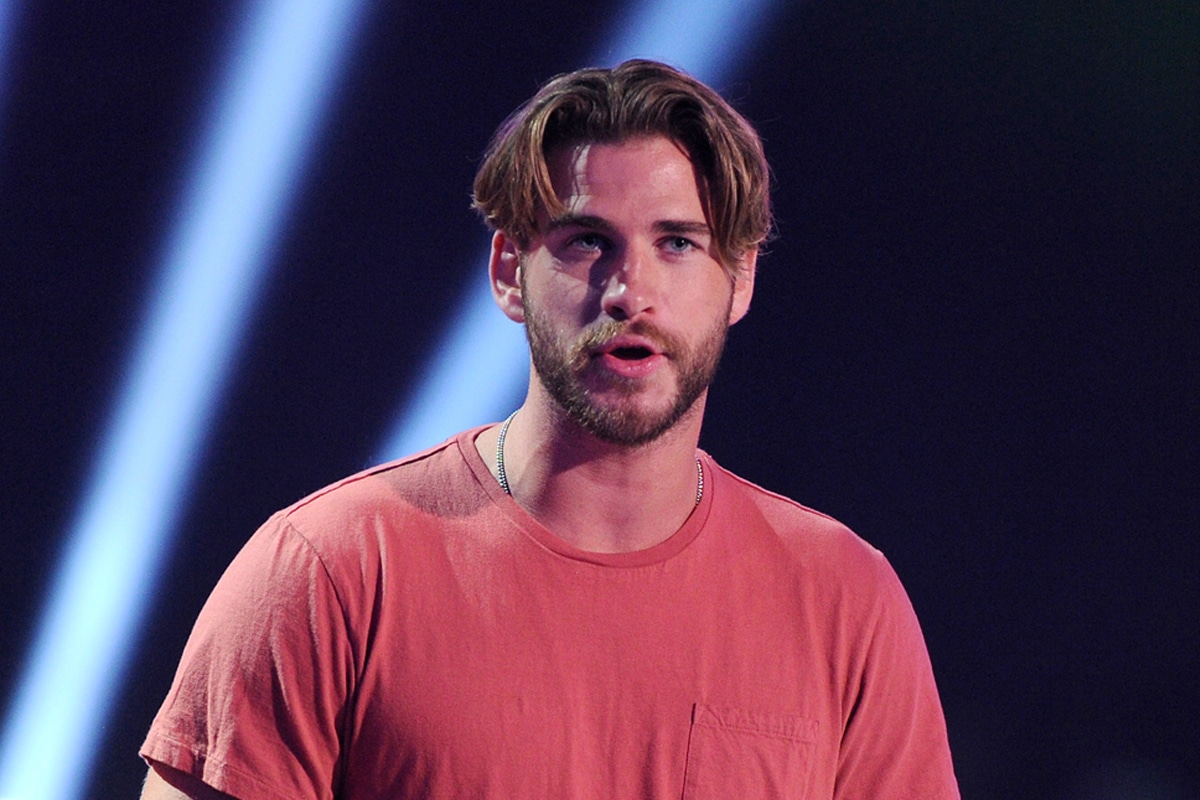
(261, 689)
(895, 743)
(165, 783)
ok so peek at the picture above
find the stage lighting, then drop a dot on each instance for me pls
(259, 133)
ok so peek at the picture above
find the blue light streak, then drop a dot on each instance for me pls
(482, 367)
(262, 127)
(708, 38)
(8, 22)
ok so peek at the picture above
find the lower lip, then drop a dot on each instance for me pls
(632, 368)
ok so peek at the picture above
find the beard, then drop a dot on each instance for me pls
(561, 367)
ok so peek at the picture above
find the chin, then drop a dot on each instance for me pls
(628, 424)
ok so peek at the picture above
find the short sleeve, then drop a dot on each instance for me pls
(895, 742)
(258, 705)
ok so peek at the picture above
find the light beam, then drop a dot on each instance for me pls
(254, 143)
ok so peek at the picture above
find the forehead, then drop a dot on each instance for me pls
(638, 176)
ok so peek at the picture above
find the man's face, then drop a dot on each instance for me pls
(626, 307)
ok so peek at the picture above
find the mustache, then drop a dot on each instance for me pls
(600, 334)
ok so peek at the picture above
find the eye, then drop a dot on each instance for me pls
(588, 241)
(680, 244)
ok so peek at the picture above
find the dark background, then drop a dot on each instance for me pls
(974, 341)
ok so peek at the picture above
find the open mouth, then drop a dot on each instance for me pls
(631, 353)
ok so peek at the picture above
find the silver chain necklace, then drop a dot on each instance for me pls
(502, 476)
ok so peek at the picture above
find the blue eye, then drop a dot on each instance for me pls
(589, 241)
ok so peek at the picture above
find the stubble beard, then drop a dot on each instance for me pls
(561, 367)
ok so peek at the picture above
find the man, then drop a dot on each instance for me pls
(576, 603)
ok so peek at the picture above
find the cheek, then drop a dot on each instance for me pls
(555, 310)
(574, 301)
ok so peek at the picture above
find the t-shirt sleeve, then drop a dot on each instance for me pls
(895, 744)
(259, 701)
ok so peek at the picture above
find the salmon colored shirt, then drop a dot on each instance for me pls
(411, 632)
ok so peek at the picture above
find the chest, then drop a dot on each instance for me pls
(495, 678)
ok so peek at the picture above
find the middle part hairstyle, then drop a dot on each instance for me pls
(608, 106)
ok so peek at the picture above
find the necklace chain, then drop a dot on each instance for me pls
(502, 476)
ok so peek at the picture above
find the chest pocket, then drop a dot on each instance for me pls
(742, 754)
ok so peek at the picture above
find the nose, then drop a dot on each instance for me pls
(630, 288)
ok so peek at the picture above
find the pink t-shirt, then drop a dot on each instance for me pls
(411, 632)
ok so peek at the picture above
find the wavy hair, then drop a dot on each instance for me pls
(609, 106)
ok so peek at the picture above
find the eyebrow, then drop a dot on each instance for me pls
(693, 228)
(601, 224)
(579, 221)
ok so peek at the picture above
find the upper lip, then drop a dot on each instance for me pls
(629, 342)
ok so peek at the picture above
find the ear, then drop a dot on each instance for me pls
(743, 285)
(504, 272)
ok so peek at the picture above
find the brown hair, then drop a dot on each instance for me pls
(609, 106)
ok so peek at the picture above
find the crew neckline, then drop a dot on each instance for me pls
(543, 536)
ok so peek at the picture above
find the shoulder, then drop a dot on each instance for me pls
(437, 482)
(825, 550)
(354, 524)
(794, 524)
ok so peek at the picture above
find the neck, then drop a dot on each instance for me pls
(595, 495)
